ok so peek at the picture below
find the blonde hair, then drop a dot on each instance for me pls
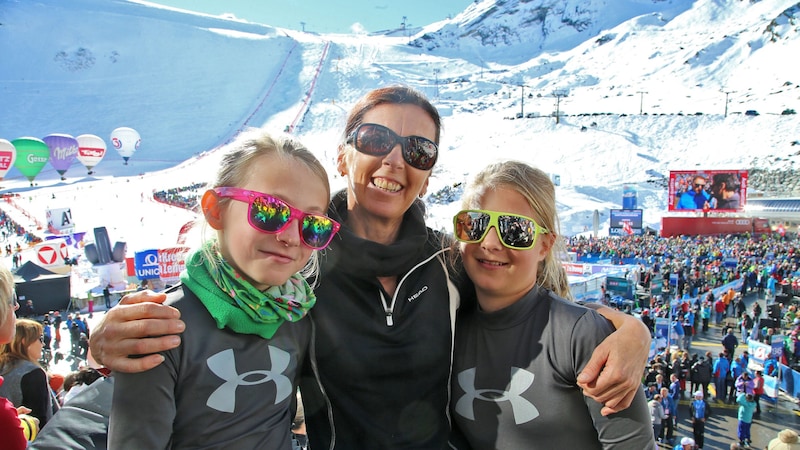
(240, 163)
(6, 292)
(28, 332)
(537, 188)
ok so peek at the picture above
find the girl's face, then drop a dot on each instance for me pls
(270, 259)
(502, 275)
(386, 186)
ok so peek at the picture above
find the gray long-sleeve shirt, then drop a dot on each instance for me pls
(514, 380)
(217, 390)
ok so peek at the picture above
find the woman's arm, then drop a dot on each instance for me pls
(138, 325)
(36, 395)
(614, 373)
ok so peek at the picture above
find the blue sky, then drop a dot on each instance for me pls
(325, 16)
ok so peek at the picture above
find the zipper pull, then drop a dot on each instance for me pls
(389, 321)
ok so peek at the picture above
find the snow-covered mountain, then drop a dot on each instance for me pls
(642, 87)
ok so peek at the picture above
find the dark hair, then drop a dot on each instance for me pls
(85, 375)
(392, 95)
(730, 181)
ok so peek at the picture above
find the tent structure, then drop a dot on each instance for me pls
(49, 291)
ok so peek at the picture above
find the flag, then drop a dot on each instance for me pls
(626, 227)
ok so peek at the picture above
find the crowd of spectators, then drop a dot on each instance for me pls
(9, 227)
(176, 196)
(703, 262)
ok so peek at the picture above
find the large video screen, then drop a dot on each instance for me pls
(707, 190)
(619, 216)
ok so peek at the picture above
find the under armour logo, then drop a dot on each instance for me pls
(521, 380)
(223, 364)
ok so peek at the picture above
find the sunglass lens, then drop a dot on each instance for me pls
(317, 231)
(421, 153)
(374, 140)
(269, 215)
(516, 231)
(471, 225)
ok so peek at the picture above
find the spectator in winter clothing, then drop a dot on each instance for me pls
(746, 325)
(721, 371)
(10, 428)
(699, 411)
(737, 369)
(746, 408)
(670, 411)
(729, 342)
(27, 310)
(657, 415)
(758, 390)
(702, 375)
(686, 443)
(675, 388)
(745, 384)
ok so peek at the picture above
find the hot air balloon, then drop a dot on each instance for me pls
(63, 151)
(8, 153)
(32, 155)
(91, 150)
(126, 141)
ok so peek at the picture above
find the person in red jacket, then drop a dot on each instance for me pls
(758, 390)
(10, 426)
(719, 309)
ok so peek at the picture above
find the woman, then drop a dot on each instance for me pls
(10, 428)
(518, 352)
(26, 382)
(384, 321)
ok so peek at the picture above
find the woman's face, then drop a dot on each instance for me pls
(386, 186)
(35, 349)
(502, 275)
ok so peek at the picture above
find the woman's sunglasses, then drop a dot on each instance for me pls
(272, 215)
(377, 140)
(515, 232)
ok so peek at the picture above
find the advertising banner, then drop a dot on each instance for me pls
(662, 333)
(51, 253)
(164, 264)
(59, 220)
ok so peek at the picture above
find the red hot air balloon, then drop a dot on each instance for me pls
(63, 151)
(91, 150)
(8, 153)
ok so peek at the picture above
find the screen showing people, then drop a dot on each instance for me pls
(707, 190)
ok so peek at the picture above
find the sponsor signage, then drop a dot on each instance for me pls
(165, 263)
(60, 220)
(51, 253)
(619, 285)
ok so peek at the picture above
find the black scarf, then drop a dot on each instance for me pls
(367, 259)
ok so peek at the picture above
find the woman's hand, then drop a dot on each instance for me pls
(614, 373)
(130, 335)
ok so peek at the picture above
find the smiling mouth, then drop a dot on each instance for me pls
(491, 263)
(386, 185)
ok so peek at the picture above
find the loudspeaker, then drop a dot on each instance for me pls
(774, 311)
(769, 323)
